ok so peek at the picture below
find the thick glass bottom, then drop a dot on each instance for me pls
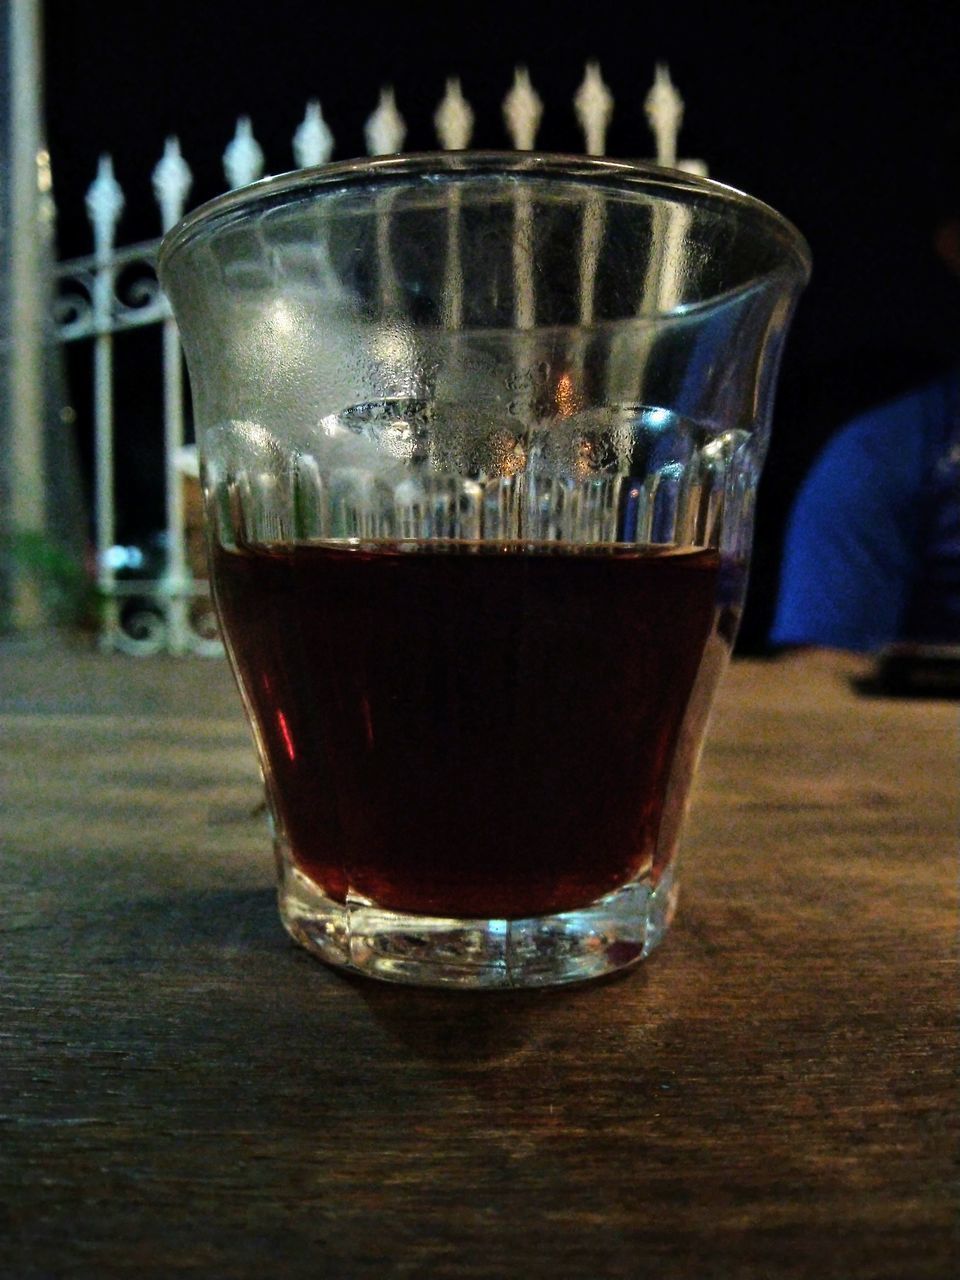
(610, 934)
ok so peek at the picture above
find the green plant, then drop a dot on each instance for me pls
(68, 596)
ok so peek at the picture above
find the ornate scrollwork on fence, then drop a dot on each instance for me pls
(143, 620)
(138, 298)
(73, 303)
(92, 299)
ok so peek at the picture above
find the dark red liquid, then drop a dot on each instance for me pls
(467, 730)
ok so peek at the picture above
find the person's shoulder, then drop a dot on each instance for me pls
(923, 413)
(882, 456)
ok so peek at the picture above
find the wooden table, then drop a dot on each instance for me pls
(183, 1092)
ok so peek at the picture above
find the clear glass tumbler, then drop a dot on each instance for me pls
(480, 436)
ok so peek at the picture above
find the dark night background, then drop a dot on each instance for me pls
(844, 117)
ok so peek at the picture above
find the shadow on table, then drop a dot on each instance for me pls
(472, 1027)
(235, 935)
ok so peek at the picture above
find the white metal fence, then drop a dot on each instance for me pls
(116, 289)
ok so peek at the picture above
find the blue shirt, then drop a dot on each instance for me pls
(872, 552)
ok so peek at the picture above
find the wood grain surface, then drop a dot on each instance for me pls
(184, 1092)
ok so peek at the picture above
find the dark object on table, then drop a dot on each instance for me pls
(915, 671)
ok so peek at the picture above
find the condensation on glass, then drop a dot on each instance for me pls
(490, 413)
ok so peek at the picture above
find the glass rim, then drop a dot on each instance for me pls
(629, 175)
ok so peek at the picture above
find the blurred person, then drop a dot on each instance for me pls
(872, 549)
(872, 552)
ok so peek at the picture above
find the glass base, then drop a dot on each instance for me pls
(611, 934)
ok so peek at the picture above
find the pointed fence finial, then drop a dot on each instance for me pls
(172, 181)
(386, 129)
(522, 111)
(243, 158)
(453, 119)
(664, 108)
(594, 107)
(313, 141)
(104, 206)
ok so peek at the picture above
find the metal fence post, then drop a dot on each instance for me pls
(172, 180)
(104, 206)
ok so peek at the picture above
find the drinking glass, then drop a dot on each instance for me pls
(480, 436)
